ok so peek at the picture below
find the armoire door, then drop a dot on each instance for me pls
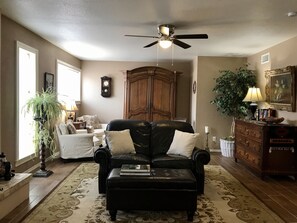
(150, 94)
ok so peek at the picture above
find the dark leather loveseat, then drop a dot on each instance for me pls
(151, 141)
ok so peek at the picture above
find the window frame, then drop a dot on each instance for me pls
(36, 52)
(73, 68)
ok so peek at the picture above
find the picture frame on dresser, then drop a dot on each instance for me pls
(281, 88)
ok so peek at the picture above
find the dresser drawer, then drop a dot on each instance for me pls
(248, 157)
(248, 130)
(249, 144)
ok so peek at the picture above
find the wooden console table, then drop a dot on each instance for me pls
(266, 149)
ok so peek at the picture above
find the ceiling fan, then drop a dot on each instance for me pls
(166, 37)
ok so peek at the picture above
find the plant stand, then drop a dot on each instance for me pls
(227, 147)
(42, 172)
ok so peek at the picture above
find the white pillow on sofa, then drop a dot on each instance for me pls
(63, 129)
(183, 143)
(119, 142)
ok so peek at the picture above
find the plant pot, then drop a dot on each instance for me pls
(227, 147)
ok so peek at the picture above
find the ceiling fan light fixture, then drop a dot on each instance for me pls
(165, 43)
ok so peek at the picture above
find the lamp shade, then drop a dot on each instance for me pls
(253, 95)
(71, 106)
(165, 43)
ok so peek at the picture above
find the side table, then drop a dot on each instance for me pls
(79, 125)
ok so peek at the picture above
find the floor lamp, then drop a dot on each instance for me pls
(253, 95)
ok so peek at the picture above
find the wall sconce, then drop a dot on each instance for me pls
(105, 86)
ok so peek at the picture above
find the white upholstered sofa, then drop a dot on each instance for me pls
(78, 143)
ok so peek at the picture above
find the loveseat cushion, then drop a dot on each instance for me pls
(118, 160)
(172, 161)
(139, 130)
(163, 132)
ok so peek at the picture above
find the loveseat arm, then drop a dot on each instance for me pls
(102, 156)
(200, 157)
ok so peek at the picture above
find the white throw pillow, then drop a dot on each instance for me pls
(119, 142)
(71, 128)
(183, 143)
(63, 129)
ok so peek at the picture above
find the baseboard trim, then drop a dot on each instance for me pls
(215, 150)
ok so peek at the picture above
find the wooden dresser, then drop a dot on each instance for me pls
(266, 149)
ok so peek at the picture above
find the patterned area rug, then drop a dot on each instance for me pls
(76, 200)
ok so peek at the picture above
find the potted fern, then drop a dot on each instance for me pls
(230, 89)
(46, 111)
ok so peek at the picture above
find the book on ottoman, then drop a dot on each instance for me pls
(135, 169)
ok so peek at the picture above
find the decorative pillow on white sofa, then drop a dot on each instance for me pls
(63, 129)
(119, 142)
(71, 128)
(183, 143)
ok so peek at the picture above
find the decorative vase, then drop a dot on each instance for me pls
(227, 147)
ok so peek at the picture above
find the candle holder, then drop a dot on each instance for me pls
(206, 143)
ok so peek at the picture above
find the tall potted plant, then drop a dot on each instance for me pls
(230, 89)
(46, 111)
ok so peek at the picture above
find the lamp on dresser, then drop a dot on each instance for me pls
(253, 95)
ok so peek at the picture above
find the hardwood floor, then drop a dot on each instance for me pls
(39, 189)
(278, 193)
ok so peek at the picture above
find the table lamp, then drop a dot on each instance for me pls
(253, 95)
(70, 108)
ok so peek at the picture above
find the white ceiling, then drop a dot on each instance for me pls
(95, 29)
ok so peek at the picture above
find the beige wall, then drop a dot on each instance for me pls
(48, 54)
(281, 55)
(112, 108)
(206, 113)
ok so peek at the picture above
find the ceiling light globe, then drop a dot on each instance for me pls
(165, 43)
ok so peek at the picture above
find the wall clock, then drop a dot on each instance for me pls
(105, 86)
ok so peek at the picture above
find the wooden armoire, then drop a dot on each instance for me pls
(150, 94)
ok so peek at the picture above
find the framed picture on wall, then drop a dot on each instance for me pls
(281, 88)
(49, 81)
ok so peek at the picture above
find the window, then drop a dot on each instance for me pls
(27, 60)
(68, 82)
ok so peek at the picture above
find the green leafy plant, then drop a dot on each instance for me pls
(46, 111)
(230, 89)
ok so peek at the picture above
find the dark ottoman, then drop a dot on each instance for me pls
(165, 189)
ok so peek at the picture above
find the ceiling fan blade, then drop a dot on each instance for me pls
(151, 44)
(156, 37)
(181, 44)
(191, 36)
